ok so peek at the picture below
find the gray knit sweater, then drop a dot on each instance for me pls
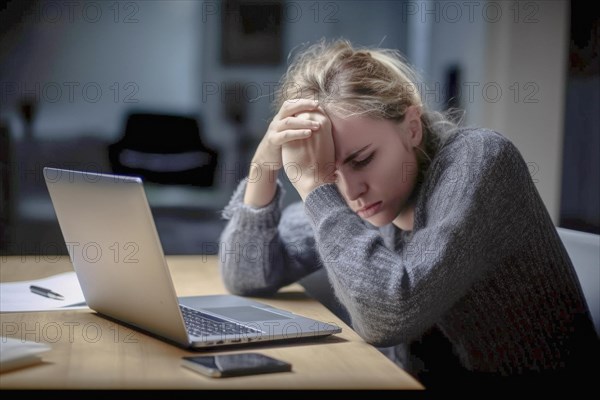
(483, 264)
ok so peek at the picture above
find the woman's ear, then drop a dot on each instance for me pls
(412, 118)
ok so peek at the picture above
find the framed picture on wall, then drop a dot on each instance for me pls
(251, 32)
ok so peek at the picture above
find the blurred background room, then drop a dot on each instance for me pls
(179, 92)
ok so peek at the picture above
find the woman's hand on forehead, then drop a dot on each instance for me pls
(310, 162)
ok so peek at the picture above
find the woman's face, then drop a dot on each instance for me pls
(376, 164)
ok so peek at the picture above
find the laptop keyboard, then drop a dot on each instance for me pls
(201, 324)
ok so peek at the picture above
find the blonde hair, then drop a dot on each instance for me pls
(374, 82)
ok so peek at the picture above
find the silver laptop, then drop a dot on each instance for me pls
(118, 258)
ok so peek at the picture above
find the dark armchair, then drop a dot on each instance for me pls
(166, 149)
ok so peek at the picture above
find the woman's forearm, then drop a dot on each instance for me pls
(262, 184)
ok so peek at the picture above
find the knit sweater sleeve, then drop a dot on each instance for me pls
(464, 216)
(264, 249)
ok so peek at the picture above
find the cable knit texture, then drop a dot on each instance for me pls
(483, 264)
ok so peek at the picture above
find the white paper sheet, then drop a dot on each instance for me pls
(17, 297)
(16, 353)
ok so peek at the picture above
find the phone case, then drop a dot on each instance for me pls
(227, 365)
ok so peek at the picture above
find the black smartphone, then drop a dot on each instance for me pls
(225, 365)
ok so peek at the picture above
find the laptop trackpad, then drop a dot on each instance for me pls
(245, 313)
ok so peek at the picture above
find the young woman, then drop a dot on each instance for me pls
(433, 238)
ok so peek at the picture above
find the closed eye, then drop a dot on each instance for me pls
(358, 164)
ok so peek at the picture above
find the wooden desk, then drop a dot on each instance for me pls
(89, 351)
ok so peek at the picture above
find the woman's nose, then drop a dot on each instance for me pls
(353, 187)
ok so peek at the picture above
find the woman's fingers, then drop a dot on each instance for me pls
(291, 122)
(291, 134)
(294, 106)
(292, 128)
(296, 123)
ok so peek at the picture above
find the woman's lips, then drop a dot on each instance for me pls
(369, 211)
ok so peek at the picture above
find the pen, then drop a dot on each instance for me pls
(46, 292)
